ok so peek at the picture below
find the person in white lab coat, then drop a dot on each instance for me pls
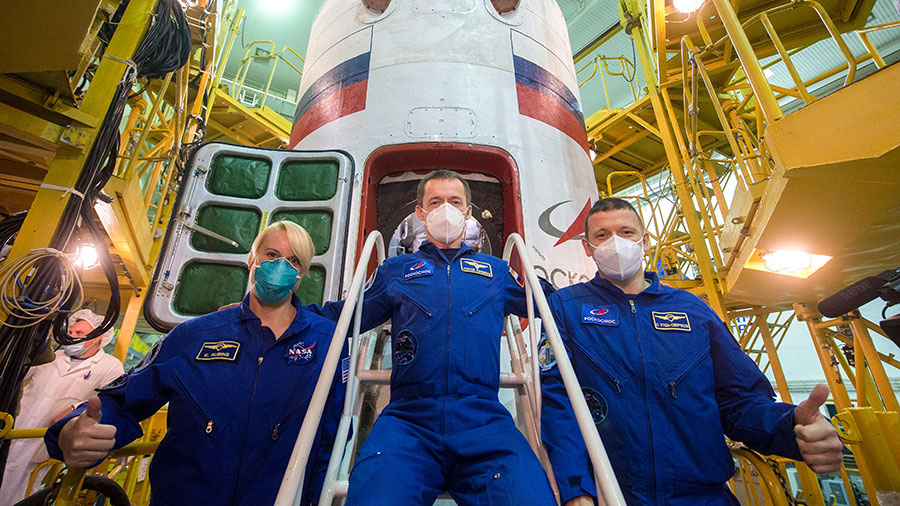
(52, 391)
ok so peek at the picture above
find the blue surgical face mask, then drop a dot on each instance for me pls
(275, 280)
(74, 350)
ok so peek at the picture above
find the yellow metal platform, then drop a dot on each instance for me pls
(231, 121)
(836, 192)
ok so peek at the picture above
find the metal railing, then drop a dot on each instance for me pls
(607, 487)
(292, 484)
(289, 494)
(600, 64)
(270, 54)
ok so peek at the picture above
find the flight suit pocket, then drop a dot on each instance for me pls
(480, 302)
(679, 377)
(286, 419)
(408, 296)
(204, 422)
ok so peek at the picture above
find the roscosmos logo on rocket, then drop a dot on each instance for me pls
(575, 230)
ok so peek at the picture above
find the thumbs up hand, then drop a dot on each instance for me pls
(816, 437)
(84, 440)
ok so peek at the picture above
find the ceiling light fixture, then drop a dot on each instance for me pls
(86, 257)
(686, 6)
(786, 260)
(793, 263)
(277, 6)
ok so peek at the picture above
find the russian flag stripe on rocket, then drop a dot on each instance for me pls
(540, 98)
(540, 91)
(336, 93)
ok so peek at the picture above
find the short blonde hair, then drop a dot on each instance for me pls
(298, 238)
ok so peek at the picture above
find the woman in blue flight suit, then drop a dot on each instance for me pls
(238, 383)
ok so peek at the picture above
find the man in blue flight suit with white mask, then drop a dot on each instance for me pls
(664, 380)
(445, 428)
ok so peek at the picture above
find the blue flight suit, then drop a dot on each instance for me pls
(237, 398)
(664, 380)
(445, 428)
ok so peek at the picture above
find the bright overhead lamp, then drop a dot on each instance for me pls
(277, 6)
(87, 257)
(593, 154)
(786, 260)
(794, 263)
(686, 6)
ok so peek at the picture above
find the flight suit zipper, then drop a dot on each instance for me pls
(414, 301)
(600, 366)
(284, 419)
(449, 326)
(237, 478)
(209, 422)
(674, 383)
(646, 400)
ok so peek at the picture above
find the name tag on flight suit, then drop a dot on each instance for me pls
(600, 315)
(671, 320)
(416, 269)
(219, 350)
(476, 267)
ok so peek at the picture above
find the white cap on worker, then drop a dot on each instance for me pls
(95, 320)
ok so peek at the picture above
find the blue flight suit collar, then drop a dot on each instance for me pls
(301, 320)
(430, 250)
(655, 287)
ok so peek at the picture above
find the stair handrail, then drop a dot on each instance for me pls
(292, 485)
(608, 491)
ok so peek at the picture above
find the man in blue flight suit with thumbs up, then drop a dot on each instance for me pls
(445, 428)
(664, 380)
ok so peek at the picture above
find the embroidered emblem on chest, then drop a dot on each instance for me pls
(546, 358)
(219, 350)
(597, 404)
(406, 347)
(301, 353)
(600, 315)
(418, 269)
(476, 267)
(671, 320)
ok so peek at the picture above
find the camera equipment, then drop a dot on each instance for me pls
(885, 285)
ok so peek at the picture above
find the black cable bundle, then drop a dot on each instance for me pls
(165, 48)
(167, 45)
(9, 227)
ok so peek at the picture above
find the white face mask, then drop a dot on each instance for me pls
(617, 257)
(74, 350)
(445, 223)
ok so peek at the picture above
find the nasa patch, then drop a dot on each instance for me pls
(600, 315)
(546, 358)
(406, 346)
(476, 267)
(301, 353)
(596, 403)
(671, 320)
(417, 269)
(219, 350)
